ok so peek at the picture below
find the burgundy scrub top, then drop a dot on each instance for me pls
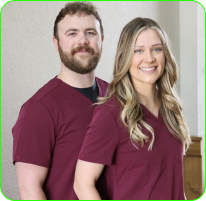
(50, 131)
(134, 173)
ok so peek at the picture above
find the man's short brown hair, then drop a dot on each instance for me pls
(77, 8)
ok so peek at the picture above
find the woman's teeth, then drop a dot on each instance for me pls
(148, 69)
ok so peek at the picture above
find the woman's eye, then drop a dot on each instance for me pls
(158, 49)
(138, 51)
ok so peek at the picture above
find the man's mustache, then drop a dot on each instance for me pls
(85, 47)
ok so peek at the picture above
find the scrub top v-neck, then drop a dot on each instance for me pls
(90, 92)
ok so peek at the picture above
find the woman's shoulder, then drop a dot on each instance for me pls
(112, 105)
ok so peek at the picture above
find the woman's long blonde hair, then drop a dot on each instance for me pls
(121, 86)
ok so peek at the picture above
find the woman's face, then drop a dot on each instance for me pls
(149, 59)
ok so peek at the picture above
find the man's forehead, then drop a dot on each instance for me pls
(80, 14)
(77, 21)
(79, 18)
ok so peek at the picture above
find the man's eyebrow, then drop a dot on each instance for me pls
(68, 30)
(73, 29)
(91, 29)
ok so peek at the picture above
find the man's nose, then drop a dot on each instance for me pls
(83, 40)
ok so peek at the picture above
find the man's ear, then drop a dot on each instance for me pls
(55, 41)
(102, 38)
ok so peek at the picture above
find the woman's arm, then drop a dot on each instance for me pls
(86, 175)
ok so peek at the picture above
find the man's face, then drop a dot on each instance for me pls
(80, 42)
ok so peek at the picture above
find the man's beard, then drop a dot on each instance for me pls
(77, 65)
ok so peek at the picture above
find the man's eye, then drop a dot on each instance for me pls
(90, 33)
(71, 34)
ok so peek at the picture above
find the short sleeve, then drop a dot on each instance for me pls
(33, 135)
(101, 139)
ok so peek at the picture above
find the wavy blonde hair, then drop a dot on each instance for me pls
(121, 86)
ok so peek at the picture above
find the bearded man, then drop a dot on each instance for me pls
(51, 126)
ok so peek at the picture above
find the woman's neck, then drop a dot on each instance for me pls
(148, 96)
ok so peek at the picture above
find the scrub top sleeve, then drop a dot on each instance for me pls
(101, 139)
(33, 135)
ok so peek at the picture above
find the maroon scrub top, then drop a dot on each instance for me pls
(134, 173)
(49, 132)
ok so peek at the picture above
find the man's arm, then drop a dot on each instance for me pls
(30, 180)
(86, 175)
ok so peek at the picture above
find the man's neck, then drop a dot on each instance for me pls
(75, 79)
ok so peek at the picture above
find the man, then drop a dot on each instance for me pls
(52, 124)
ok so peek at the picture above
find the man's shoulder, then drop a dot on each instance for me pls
(102, 87)
(102, 82)
(48, 88)
(38, 100)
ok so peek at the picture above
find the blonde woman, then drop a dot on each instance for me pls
(138, 135)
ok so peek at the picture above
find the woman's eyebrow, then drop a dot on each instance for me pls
(152, 45)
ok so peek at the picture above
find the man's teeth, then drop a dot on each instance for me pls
(148, 69)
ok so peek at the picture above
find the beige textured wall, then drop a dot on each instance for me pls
(29, 58)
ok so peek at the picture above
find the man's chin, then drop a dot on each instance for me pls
(83, 64)
(83, 70)
(80, 57)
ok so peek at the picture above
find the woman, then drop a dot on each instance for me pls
(138, 131)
